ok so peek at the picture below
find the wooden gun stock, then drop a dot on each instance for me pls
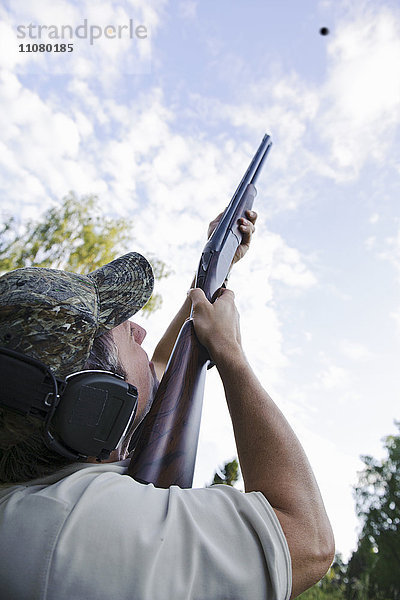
(165, 453)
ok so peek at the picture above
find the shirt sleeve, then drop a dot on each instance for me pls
(131, 541)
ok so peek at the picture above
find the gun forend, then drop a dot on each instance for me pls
(218, 253)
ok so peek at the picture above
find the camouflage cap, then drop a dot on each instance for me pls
(55, 315)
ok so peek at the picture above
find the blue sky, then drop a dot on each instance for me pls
(162, 128)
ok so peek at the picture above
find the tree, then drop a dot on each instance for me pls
(373, 572)
(75, 236)
(375, 566)
(229, 474)
(332, 586)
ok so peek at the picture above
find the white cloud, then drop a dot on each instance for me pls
(59, 11)
(374, 218)
(43, 143)
(392, 250)
(289, 268)
(354, 113)
(395, 315)
(288, 102)
(8, 59)
(362, 93)
(355, 351)
(370, 242)
(171, 185)
(284, 106)
(84, 25)
(188, 9)
(333, 377)
(87, 100)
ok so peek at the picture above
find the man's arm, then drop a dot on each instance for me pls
(271, 457)
(165, 346)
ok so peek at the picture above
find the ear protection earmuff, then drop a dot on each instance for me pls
(87, 414)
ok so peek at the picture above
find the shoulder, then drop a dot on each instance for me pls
(217, 542)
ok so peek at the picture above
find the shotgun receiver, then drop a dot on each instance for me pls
(165, 452)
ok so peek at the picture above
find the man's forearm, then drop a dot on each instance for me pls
(165, 346)
(261, 430)
(273, 462)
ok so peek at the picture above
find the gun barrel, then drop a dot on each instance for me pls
(165, 449)
(220, 249)
(262, 160)
(217, 239)
(253, 169)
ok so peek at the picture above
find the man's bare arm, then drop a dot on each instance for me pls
(271, 457)
(164, 347)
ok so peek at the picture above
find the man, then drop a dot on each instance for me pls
(74, 530)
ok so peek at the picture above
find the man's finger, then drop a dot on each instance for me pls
(247, 226)
(197, 296)
(225, 292)
(247, 229)
(251, 215)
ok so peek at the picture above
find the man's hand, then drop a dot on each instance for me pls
(247, 228)
(164, 348)
(217, 324)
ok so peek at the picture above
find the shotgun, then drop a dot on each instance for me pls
(166, 445)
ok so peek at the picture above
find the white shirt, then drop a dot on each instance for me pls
(90, 532)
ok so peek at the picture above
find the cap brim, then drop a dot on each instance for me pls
(124, 286)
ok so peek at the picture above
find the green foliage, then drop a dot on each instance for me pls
(74, 236)
(373, 572)
(375, 565)
(332, 586)
(229, 474)
(323, 592)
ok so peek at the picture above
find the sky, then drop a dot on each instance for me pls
(158, 109)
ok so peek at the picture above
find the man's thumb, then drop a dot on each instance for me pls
(197, 296)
